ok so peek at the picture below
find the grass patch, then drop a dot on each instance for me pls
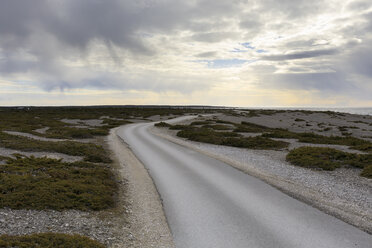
(44, 183)
(329, 159)
(48, 240)
(217, 127)
(367, 171)
(162, 124)
(196, 123)
(247, 127)
(352, 142)
(90, 152)
(230, 139)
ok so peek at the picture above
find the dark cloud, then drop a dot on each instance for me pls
(301, 55)
(206, 54)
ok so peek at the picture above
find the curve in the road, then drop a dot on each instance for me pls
(210, 204)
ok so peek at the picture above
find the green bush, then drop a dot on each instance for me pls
(48, 240)
(162, 124)
(218, 127)
(90, 152)
(367, 171)
(328, 159)
(44, 183)
(230, 139)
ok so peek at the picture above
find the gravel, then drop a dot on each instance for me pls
(23, 222)
(91, 122)
(65, 158)
(35, 137)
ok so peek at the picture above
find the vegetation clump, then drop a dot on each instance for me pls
(162, 124)
(207, 135)
(197, 123)
(329, 159)
(352, 142)
(48, 240)
(247, 127)
(90, 152)
(217, 127)
(45, 183)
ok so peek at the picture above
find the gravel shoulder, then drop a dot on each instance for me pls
(341, 193)
(147, 224)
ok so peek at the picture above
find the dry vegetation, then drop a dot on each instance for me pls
(48, 240)
(222, 132)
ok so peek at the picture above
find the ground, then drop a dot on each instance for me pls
(82, 140)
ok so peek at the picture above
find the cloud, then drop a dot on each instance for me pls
(301, 55)
(206, 54)
(152, 45)
(212, 37)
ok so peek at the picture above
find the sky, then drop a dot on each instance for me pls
(258, 53)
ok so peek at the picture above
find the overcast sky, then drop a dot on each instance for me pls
(214, 52)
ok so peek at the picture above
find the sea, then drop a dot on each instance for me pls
(358, 111)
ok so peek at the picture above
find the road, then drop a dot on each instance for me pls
(211, 204)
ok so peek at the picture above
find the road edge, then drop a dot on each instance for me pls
(147, 221)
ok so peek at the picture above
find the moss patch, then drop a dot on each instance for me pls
(207, 135)
(44, 183)
(90, 152)
(48, 240)
(329, 159)
(352, 142)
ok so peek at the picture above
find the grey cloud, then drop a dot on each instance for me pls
(330, 81)
(212, 37)
(206, 54)
(301, 55)
(359, 60)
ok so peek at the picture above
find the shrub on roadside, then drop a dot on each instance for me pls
(45, 183)
(48, 240)
(329, 159)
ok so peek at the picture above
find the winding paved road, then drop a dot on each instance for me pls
(210, 204)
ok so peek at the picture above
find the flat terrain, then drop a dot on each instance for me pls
(72, 153)
(210, 204)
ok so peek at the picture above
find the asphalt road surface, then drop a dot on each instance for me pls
(210, 204)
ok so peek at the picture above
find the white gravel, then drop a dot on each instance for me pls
(23, 222)
(90, 122)
(147, 224)
(42, 130)
(65, 158)
(35, 137)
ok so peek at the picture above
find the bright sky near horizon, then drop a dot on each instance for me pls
(210, 52)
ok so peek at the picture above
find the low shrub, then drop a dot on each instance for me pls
(367, 171)
(90, 152)
(45, 183)
(230, 139)
(196, 123)
(49, 240)
(329, 159)
(218, 127)
(162, 124)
